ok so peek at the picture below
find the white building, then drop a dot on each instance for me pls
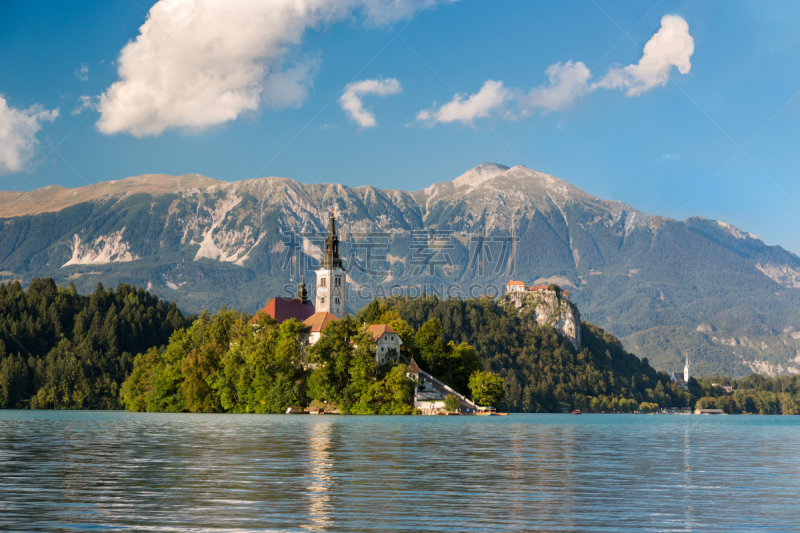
(682, 380)
(516, 286)
(387, 342)
(331, 278)
(314, 326)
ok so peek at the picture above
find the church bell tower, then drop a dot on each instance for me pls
(686, 375)
(331, 277)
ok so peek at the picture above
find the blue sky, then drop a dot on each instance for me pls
(719, 140)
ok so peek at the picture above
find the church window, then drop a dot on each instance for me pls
(322, 282)
(337, 300)
(322, 300)
(338, 281)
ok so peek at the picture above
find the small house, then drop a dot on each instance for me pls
(516, 286)
(387, 342)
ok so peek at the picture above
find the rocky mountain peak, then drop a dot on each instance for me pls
(479, 174)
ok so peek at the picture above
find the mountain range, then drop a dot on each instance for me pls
(669, 289)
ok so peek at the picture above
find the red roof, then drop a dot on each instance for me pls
(512, 282)
(413, 367)
(318, 321)
(542, 287)
(379, 329)
(282, 309)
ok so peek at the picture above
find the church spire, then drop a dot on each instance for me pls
(331, 259)
(331, 290)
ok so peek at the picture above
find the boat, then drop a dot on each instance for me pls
(576, 412)
(489, 411)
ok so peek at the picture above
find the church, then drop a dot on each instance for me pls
(682, 380)
(330, 302)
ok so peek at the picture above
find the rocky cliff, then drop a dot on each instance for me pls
(549, 308)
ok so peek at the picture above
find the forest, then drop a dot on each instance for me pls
(62, 350)
(126, 348)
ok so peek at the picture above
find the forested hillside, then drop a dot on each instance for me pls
(59, 349)
(542, 371)
(540, 368)
(224, 363)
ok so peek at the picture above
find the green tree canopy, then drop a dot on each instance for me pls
(487, 388)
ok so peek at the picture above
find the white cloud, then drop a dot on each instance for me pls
(82, 72)
(18, 129)
(671, 46)
(568, 82)
(242, 45)
(85, 102)
(290, 87)
(352, 104)
(492, 96)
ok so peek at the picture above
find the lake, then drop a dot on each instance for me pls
(83, 471)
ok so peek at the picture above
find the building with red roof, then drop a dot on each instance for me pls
(316, 323)
(386, 339)
(282, 309)
(516, 286)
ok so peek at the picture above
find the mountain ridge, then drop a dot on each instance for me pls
(667, 288)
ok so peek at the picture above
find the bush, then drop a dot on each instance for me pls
(451, 403)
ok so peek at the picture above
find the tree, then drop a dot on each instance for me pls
(605, 405)
(431, 346)
(451, 403)
(648, 407)
(594, 405)
(406, 333)
(198, 366)
(788, 404)
(331, 356)
(363, 371)
(487, 388)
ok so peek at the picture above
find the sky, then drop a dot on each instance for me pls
(678, 109)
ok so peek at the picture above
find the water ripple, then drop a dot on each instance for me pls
(93, 471)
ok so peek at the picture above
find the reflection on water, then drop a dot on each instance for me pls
(319, 478)
(77, 471)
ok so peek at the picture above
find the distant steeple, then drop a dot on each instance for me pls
(302, 293)
(686, 371)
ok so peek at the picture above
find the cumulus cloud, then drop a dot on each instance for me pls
(671, 46)
(199, 63)
(568, 83)
(82, 72)
(18, 129)
(461, 108)
(353, 105)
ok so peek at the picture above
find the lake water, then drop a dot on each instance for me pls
(78, 471)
